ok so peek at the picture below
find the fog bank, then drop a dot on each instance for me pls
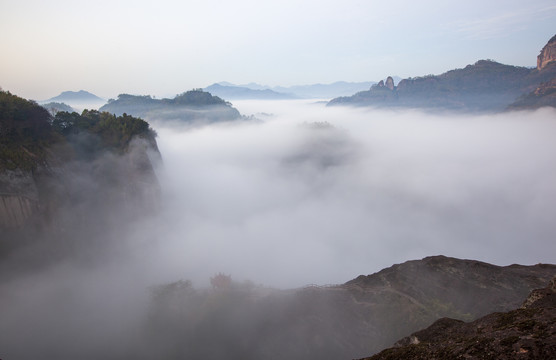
(321, 195)
(306, 195)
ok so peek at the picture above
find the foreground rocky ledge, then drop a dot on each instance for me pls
(525, 333)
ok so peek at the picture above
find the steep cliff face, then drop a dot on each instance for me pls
(71, 176)
(548, 54)
(16, 210)
(18, 198)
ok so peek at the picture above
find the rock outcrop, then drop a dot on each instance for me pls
(525, 333)
(19, 198)
(16, 210)
(390, 83)
(548, 54)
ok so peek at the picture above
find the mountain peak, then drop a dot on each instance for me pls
(548, 54)
(73, 96)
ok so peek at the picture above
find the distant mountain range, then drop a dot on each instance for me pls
(486, 86)
(327, 91)
(194, 106)
(76, 99)
(231, 91)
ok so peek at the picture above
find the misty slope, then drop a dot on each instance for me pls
(544, 95)
(351, 320)
(54, 107)
(483, 86)
(65, 175)
(525, 333)
(191, 107)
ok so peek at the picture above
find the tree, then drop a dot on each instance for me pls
(221, 281)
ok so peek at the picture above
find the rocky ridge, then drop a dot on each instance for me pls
(528, 332)
(486, 86)
(351, 320)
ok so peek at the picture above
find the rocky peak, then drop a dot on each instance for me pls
(548, 54)
(390, 83)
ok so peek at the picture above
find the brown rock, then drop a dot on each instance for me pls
(548, 54)
(525, 333)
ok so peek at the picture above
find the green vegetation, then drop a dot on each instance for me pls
(196, 97)
(190, 106)
(27, 131)
(115, 131)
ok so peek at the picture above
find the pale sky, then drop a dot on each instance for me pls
(166, 47)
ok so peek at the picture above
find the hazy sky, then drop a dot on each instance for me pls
(167, 47)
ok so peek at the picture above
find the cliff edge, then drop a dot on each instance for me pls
(548, 54)
(71, 176)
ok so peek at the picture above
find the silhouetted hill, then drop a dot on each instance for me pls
(76, 98)
(484, 86)
(195, 106)
(54, 107)
(525, 333)
(347, 321)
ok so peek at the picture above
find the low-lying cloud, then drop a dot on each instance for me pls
(309, 194)
(321, 195)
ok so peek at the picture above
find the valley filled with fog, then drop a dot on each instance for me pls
(298, 194)
(314, 194)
